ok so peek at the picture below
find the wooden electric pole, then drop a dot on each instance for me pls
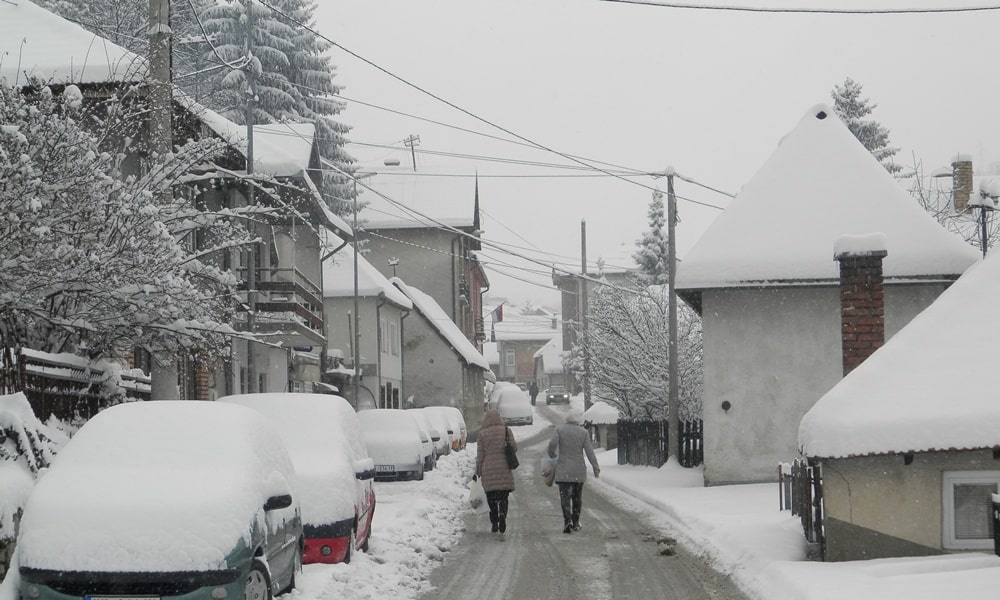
(252, 379)
(584, 308)
(673, 401)
(163, 366)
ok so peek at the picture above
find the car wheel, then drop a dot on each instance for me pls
(257, 585)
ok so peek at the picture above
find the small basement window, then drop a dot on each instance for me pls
(967, 509)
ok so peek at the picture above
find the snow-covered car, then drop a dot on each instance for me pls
(515, 406)
(427, 450)
(166, 499)
(393, 439)
(440, 421)
(457, 423)
(335, 473)
(557, 394)
(440, 443)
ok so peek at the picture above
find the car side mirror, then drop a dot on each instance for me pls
(276, 502)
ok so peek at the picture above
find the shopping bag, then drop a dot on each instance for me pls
(477, 495)
(548, 470)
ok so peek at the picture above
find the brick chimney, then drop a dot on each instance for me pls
(961, 185)
(862, 298)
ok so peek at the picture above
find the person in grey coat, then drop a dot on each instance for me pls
(568, 445)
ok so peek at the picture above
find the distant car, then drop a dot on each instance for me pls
(335, 473)
(515, 407)
(428, 450)
(164, 499)
(440, 442)
(556, 394)
(456, 420)
(441, 421)
(393, 439)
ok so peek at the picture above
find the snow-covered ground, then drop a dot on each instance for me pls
(738, 529)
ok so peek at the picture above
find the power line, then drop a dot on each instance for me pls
(457, 107)
(804, 10)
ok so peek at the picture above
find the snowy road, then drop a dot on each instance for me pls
(615, 555)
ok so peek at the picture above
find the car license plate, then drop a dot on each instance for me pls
(385, 468)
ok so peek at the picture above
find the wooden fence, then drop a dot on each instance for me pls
(645, 442)
(70, 387)
(800, 490)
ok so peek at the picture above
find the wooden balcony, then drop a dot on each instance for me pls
(289, 306)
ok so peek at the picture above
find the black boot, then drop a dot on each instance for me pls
(568, 528)
(503, 523)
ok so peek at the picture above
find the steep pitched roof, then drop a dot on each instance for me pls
(338, 280)
(37, 43)
(819, 184)
(931, 387)
(440, 321)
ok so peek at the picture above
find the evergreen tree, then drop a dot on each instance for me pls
(852, 108)
(653, 252)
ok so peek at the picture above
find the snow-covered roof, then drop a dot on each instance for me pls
(433, 190)
(932, 386)
(438, 319)
(518, 326)
(601, 413)
(551, 355)
(820, 184)
(38, 43)
(338, 279)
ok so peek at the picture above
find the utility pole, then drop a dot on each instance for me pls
(584, 308)
(673, 402)
(252, 379)
(412, 142)
(163, 368)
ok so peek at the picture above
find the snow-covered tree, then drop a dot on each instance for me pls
(627, 339)
(852, 108)
(652, 253)
(293, 74)
(93, 261)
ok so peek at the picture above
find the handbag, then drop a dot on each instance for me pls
(510, 452)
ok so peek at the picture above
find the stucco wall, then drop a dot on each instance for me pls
(879, 506)
(771, 353)
(425, 261)
(339, 332)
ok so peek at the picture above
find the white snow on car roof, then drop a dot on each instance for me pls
(324, 439)
(154, 486)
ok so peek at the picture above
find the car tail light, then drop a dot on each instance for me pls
(219, 593)
(33, 591)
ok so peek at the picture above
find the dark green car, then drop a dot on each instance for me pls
(556, 394)
(178, 500)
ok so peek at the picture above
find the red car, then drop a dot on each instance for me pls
(327, 447)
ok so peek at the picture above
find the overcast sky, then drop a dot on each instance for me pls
(709, 93)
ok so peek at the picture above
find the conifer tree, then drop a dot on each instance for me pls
(852, 108)
(653, 251)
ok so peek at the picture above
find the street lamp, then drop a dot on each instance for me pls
(357, 321)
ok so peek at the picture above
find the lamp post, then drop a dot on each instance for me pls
(357, 320)
(986, 202)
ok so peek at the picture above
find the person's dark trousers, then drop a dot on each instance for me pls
(571, 499)
(497, 499)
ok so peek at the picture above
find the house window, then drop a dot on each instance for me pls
(394, 338)
(967, 509)
(510, 360)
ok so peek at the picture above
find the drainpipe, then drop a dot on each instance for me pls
(454, 280)
(378, 341)
(402, 359)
